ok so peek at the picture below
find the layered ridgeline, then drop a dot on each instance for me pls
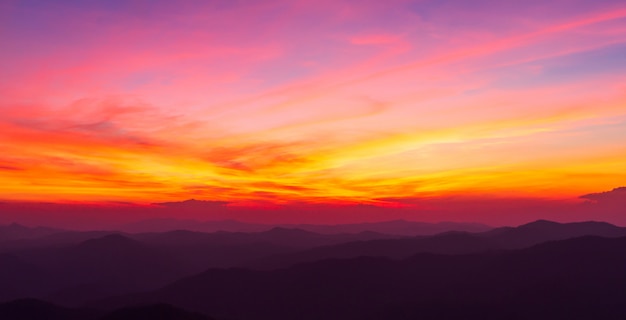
(580, 278)
(530, 271)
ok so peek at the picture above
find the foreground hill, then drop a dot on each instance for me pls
(581, 278)
(158, 311)
(36, 309)
(31, 309)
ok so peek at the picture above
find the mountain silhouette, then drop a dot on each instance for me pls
(87, 270)
(17, 231)
(52, 240)
(542, 230)
(397, 227)
(279, 236)
(114, 263)
(580, 278)
(90, 266)
(394, 227)
(112, 242)
(18, 277)
(447, 243)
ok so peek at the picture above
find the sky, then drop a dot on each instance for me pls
(406, 105)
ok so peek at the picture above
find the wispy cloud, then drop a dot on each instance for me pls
(318, 101)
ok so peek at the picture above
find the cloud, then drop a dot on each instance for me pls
(375, 39)
(257, 156)
(10, 168)
(308, 101)
(194, 204)
(617, 195)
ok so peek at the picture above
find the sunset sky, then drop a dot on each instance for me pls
(311, 102)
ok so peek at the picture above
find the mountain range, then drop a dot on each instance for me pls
(395, 227)
(580, 278)
(533, 271)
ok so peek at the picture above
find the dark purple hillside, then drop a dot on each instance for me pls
(580, 278)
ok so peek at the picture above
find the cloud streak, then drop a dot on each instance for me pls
(311, 102)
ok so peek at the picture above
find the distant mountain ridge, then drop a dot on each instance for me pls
(449, 243)
(89, 265)
(393, 227)
(17, 231)
(544, 230)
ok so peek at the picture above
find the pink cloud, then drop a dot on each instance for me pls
(283, 101)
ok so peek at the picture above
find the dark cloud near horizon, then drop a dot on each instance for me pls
(606, 206)
(194, 204)
(615, 195)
